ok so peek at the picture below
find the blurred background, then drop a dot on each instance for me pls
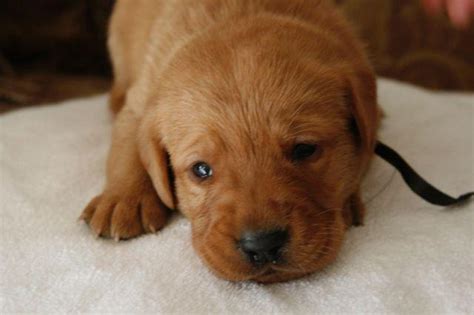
(51, 50)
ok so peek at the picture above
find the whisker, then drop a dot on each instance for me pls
(326, 211)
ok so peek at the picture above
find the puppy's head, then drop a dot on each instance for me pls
(267, 142)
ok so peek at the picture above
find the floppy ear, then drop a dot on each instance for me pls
(362, 98)
(155, 160)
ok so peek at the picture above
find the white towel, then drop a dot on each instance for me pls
(410, 257)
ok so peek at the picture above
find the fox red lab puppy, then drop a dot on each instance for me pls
(255, 118)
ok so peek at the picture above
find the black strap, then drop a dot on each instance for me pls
(416, 183)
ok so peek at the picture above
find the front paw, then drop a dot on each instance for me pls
(122, 216)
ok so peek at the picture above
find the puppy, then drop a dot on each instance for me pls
(255, 118)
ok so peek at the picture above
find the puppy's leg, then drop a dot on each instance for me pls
(354, 211)
(129, 205)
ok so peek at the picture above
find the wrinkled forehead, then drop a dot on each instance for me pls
(258, 100)
(218, 135)
(266, 116)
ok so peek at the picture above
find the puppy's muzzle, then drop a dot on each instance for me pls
(262, 247)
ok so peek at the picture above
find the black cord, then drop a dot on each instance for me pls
(416, 183)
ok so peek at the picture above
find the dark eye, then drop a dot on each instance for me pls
(302, 151)
(202, 170)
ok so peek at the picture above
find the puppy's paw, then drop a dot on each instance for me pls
(123, 217)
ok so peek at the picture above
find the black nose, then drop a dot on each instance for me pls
(262, 247)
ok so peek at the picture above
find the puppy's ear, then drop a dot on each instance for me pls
(155, 160)
(362, 99)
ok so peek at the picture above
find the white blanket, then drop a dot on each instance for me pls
(410, 257)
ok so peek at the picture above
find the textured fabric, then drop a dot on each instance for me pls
(407, 44)
(410, 257)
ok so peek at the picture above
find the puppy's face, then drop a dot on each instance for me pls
(263, 156)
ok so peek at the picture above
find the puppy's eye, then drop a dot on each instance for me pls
(202, 170)
(302, 151)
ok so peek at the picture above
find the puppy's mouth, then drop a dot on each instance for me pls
(240, 268)
(271, 274)
(282, 270)
(265, 272)
(279, 253)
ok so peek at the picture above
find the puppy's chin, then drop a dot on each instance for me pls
(219, 251)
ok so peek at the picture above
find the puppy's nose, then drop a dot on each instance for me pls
(262, 247)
